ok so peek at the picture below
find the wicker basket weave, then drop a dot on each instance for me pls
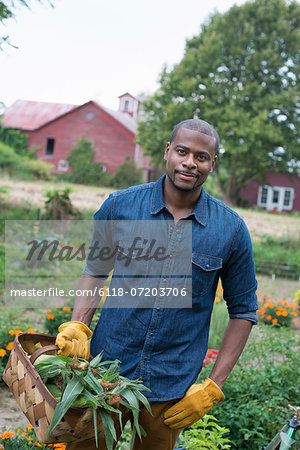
(34, 399)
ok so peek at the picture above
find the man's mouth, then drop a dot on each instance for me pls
(186, 175)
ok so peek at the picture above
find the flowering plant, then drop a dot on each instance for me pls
(276, 312)
(24, 440)
(7, 336)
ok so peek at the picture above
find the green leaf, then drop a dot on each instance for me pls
(95, 425)
(109, 428)
(73, 389)
(93, 383)
(144, 400)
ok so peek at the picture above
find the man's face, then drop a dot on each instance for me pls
(190, 158)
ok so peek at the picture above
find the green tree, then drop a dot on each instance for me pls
(128, 174)
(241, 73)
(8, 9)
(84, 169)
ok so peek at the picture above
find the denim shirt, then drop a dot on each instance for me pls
(164, 346)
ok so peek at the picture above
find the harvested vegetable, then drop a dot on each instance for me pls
(96, 386)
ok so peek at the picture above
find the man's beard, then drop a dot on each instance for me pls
(179, 188)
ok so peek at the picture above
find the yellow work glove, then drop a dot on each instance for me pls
(73, 339)
(195, 404)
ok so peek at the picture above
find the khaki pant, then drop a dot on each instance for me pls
(159, 436)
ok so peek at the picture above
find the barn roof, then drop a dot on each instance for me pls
(28, 115)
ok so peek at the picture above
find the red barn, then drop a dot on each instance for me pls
(54, 129)
(280, 192)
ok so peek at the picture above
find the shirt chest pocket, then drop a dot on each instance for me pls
(132, 264)
(204, 269)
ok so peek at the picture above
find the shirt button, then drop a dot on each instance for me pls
(145, 358)
(164, 280)
(151, 334)
(207, 266)
(158, 308)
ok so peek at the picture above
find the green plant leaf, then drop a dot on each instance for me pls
(109, 428)
(73, 389)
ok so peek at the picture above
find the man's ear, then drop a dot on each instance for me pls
(167, 151)
(213, 163)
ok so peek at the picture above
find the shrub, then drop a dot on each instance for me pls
(24, 440)
(59, 205)
(260, 387)
(84, 169)
(40, 170)
(56, 316)
(276, 312)
(127, 174)
(17, 140)
(15, 164)
(9, 328)
(205, 434)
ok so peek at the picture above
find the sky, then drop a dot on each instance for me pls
(95, 49)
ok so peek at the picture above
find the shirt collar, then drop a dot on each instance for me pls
(158, 202)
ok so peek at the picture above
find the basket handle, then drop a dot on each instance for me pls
(41, 351)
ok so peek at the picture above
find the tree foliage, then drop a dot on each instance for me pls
(84, 169)
(8, 10)
(241, 74)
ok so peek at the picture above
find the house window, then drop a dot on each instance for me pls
(288, 199)
(126, 105)
(63, 165)
(50, 146)
(264, 196)
(275, 197)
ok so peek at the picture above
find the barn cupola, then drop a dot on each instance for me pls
(129, 105)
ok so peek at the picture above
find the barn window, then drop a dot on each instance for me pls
(126, 105)
(50, 146)
(63, 165)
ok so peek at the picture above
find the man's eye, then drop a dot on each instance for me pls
(201, 157)
(181, 152)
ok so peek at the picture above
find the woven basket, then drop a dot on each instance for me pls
(36, 402)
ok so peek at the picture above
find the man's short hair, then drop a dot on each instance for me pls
(197, 125)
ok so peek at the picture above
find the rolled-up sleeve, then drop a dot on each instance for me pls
(238, 276)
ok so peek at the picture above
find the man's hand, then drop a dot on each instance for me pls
(73, 339)
(195, 404)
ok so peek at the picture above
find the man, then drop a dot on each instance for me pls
(165, 346)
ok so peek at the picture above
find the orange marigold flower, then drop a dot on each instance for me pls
(270, 305)
(31, 330)
(48, 310)
(24, 433)
(50, 316)
(29, 439)
(7, 435)
(11, 332)
(294, 313)
(17, 332)
(269, 317)
(66, 308)
(217, 299)
(295, 321)
(9, 346)
(278, 313)
(94, 319)
(274, 320)
(284, 313)
(30, 427)
(2, 352)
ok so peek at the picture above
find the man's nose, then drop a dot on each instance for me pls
(189, 161)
